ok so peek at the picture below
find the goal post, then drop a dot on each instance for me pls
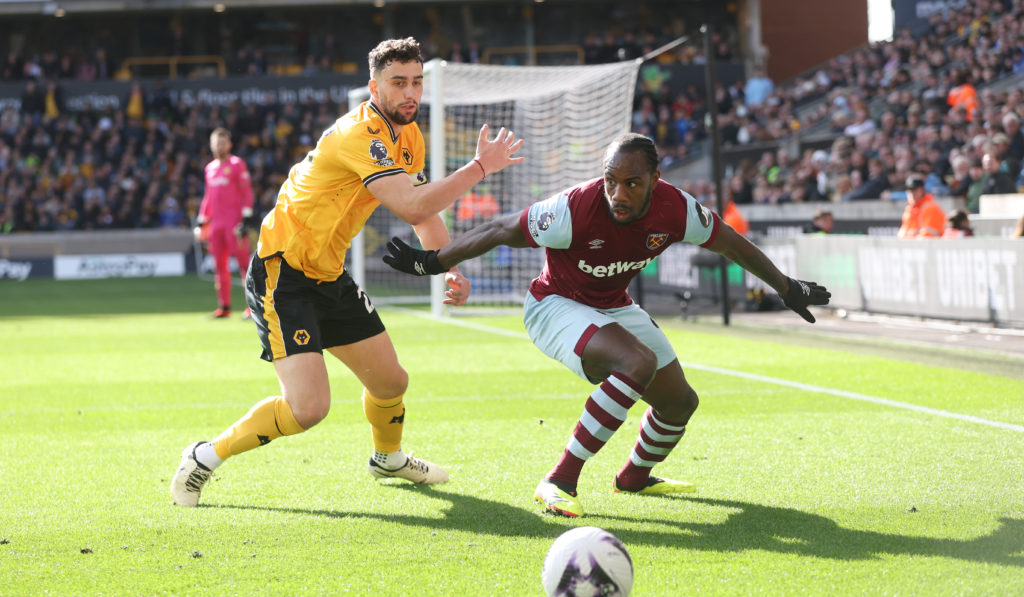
(567, 115)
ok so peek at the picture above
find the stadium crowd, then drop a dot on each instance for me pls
(117, 169)
(914, 105)
(307, 41)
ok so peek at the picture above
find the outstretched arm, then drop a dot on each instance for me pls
(503, 230)
(736, 248)
(796, 294)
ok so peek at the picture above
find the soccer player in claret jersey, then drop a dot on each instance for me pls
(598, 236)
(227, 200)
(302, 299)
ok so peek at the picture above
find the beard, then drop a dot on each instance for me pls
(396, 116)
(635, 217)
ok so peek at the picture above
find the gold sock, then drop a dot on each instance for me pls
(387, 417)
(268, 420)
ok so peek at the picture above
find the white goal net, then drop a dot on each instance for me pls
(567, 115)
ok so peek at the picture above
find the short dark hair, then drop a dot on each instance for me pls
(914, 182)
(394, 50)
(629, 142)
(221, 132)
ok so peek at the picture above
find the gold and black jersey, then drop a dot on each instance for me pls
(324, 202)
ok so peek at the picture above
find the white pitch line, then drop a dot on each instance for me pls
(762, 378)
(856, 396)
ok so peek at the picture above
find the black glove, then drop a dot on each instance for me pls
(412, 261)
(801, 294)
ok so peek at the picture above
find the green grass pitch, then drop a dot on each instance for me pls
(803, 490)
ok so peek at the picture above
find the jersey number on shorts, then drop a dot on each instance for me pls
(366, 300)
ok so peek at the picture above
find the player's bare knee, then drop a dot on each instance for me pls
(689, 402)
(390, 387)
(679, 408)
(640, 365)
(311, 411)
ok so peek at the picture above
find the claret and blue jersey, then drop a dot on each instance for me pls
(591, 259)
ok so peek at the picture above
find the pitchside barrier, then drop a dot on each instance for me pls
(972, 279)
(90, 255)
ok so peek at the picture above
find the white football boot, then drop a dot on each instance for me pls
(414, 469)
(188, 481)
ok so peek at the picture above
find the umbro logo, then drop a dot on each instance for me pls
(596, 243)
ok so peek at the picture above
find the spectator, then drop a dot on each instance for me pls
(135, 103)
(938, 160)
(843, 186)
(961, 177)
(1012, 129)
(171, 214)
(311, 67)
(33, 100)
(874, 186)
(922, 218)
(50, 64)
(1000, 147)
(994, 181)
(740, 189)
(257, 62)
(758, 88)
(13, 68)
(474, 55)
(160, 99)
(933, 183)
(819, 173)
(959, 225)
(963, 95)
(822, 223)
(104, 65)
(732, 216)
(477, 205)
(862, 123)
(457, 54)
(54, 99)
(66, 68)
(86, 70)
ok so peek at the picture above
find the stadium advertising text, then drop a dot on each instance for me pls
(85, 267)
(961, 278)
(15, 270)
(894, 274)
(110, 95)
(974, 277)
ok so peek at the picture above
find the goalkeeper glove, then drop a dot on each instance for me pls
(801, 294)
(412, 261)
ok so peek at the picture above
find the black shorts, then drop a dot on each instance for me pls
(295, 314)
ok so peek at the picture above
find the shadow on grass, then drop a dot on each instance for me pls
(748, 526)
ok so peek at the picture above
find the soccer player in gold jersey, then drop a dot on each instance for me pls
(302, 299)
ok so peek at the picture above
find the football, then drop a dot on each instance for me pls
(585, 562)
